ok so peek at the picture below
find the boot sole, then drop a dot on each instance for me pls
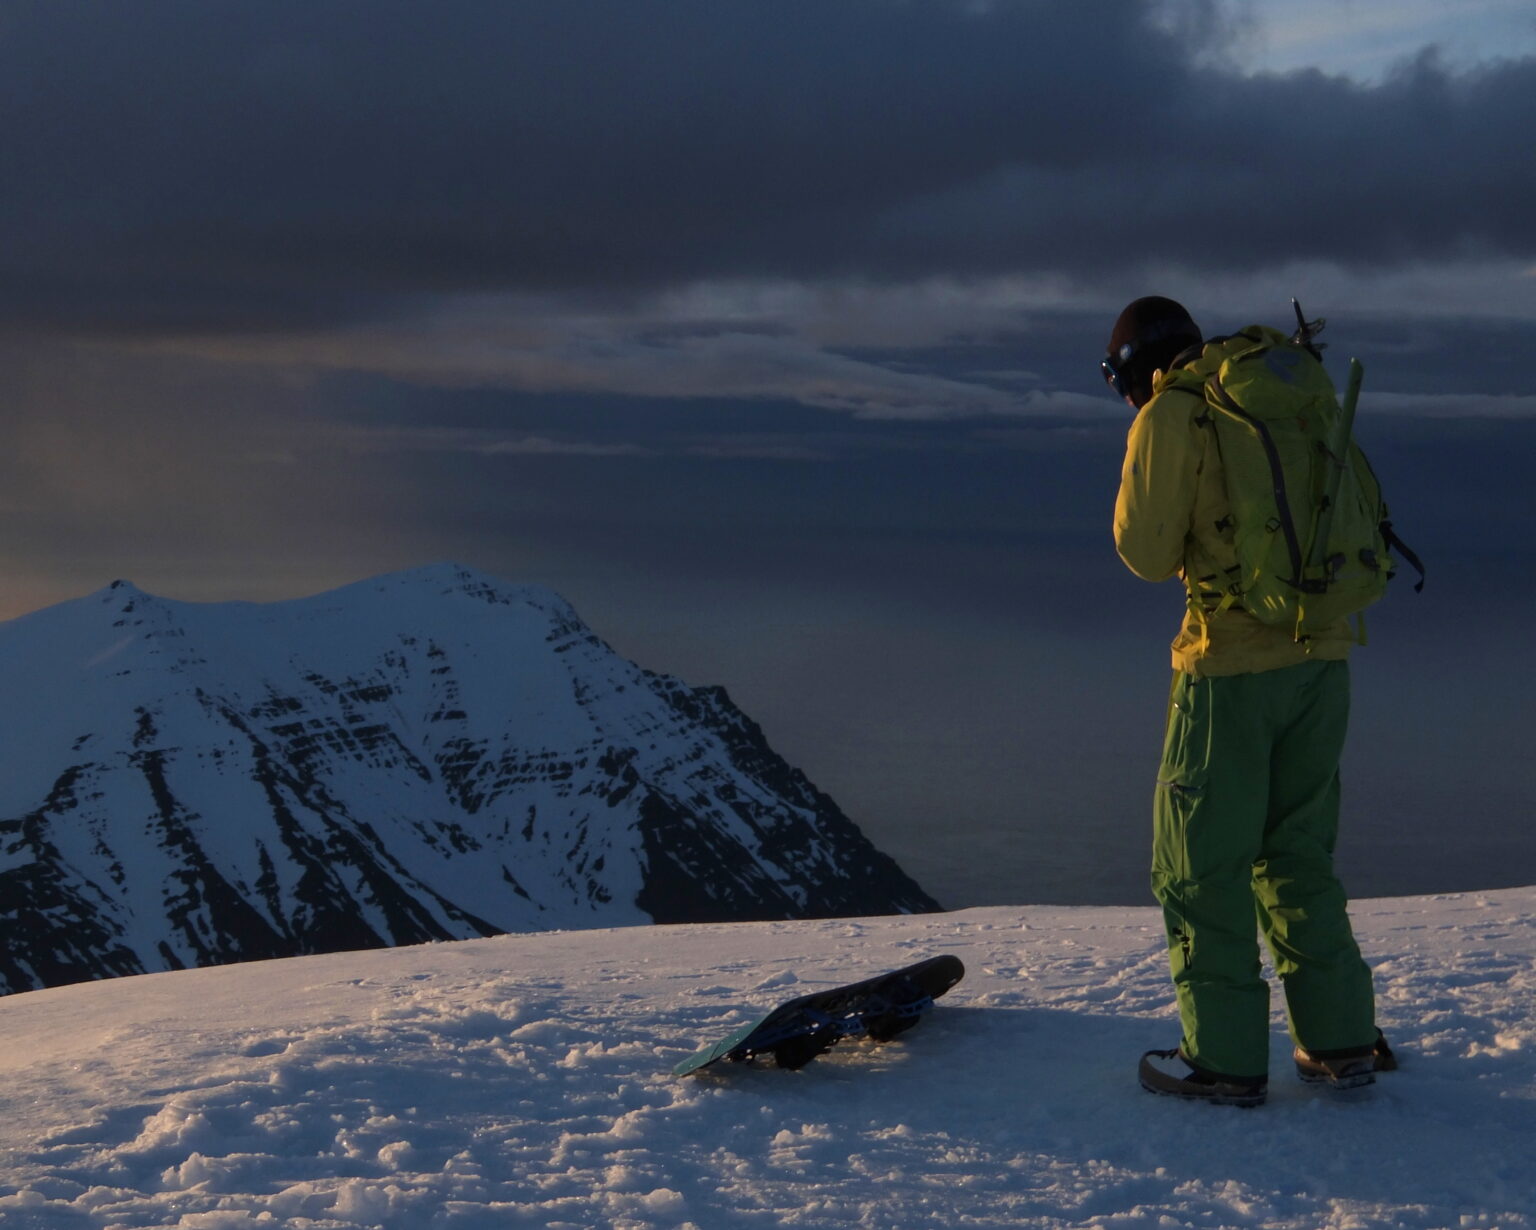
(1355, 1080)
(1245, 1100)
(1191, 1092)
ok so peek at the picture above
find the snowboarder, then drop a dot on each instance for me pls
(1247, 798)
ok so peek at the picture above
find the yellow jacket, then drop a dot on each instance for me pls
(1172, 518)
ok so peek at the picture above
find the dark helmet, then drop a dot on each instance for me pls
(1146, 338)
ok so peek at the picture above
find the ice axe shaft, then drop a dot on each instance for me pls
(1338, 455)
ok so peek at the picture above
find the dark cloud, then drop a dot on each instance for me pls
(768, 333)
(238, 166)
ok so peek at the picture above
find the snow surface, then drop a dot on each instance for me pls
(525, 1081)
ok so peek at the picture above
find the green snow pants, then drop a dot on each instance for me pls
(1245, 818)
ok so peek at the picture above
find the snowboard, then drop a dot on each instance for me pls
(796, 1032)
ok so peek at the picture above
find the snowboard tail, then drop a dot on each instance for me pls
(796, 1032)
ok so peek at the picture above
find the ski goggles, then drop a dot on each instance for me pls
(1114, 376)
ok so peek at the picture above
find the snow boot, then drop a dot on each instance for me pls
(1172, 1073)
(1352, 1069)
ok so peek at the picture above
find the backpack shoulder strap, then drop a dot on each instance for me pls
(1182, 380)
(1394, 543)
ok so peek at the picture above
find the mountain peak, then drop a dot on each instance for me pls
(446, 577)
(430, 754)
(436, 578)
(121, 592)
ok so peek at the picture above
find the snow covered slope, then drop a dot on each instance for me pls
(429, 755)
(525, 1081)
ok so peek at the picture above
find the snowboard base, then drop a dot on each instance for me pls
(796, 1032)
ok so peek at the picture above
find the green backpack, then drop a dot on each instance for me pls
(1310, 529)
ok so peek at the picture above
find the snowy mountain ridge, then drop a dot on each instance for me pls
(428, 755)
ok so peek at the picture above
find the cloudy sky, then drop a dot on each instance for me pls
(767, 332)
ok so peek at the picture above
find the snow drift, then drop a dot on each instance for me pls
(525, 1080)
